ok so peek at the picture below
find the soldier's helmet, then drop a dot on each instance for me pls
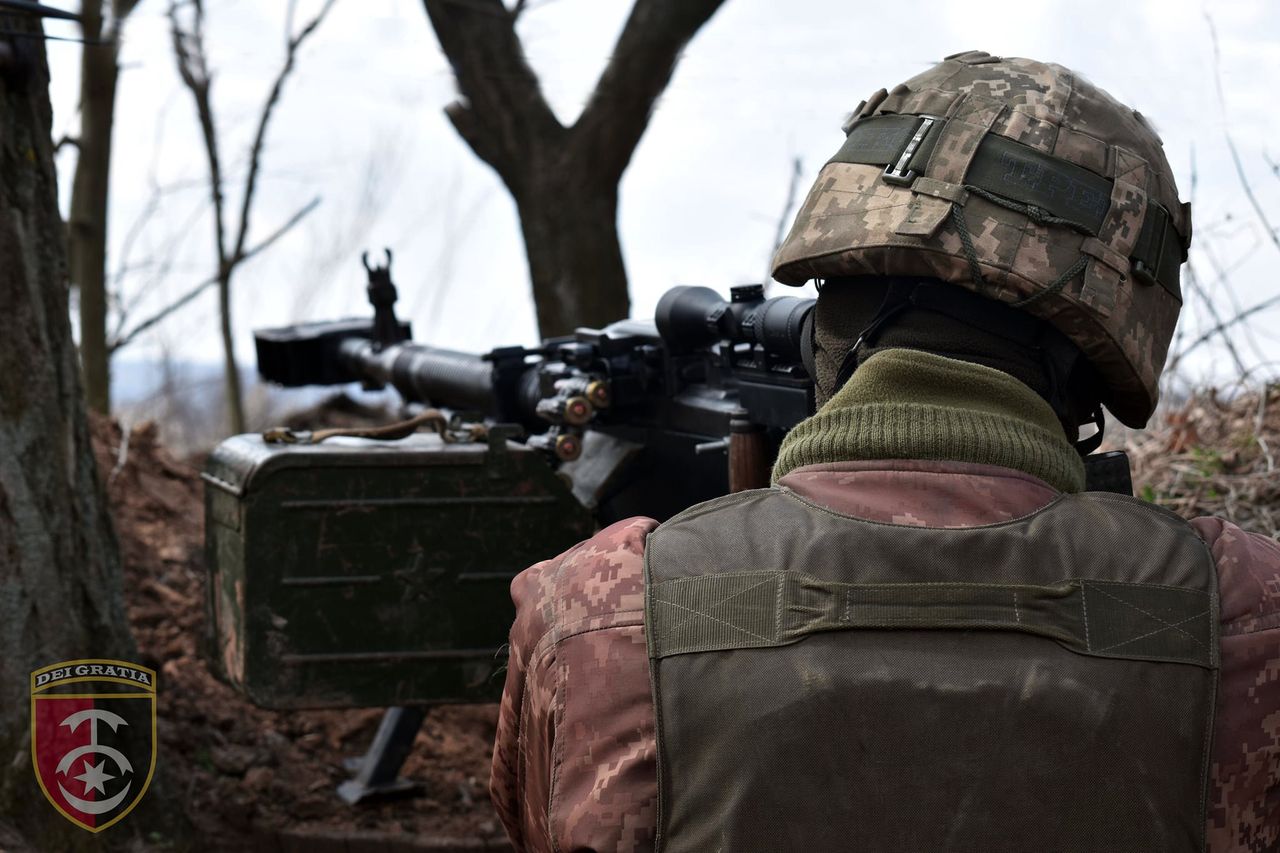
(1024, 183)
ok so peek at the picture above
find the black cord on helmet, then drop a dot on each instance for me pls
(898, 297)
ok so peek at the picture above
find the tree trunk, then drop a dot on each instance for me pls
(564, 180)
(234, 394)
(87, 228)
(575, 259)
(60, 578)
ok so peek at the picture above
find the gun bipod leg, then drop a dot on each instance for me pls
(376, 773)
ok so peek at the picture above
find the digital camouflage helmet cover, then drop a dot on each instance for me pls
(1024, 183)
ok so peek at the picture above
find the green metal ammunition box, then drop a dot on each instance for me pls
(358, 573)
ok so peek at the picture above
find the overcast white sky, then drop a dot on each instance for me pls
(361, 125)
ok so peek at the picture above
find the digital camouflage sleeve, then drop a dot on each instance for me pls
(574, 766)
(1244, 805)
(574, 757)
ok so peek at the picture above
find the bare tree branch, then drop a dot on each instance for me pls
(264, 119)
(793, 189)
(501, 113)
(149, 210)
(1264, 305)
(161, 270)
(1193, 285)
(644, 58)
(1222, 279)
(1231, 145)
(1226, 325)
(193, 68)
(120, 10)
(200, 288)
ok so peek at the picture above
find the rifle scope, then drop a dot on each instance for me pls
(692, 317)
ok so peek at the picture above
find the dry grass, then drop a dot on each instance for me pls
(1214, 456)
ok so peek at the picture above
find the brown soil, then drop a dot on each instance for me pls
(251, 775)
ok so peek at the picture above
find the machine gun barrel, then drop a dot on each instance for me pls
(424, 374)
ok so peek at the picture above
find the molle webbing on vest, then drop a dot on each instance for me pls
(825, 683)
(762, 609)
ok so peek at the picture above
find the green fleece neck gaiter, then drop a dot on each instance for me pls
(910, 404)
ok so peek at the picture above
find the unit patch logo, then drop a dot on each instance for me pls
(93, 738)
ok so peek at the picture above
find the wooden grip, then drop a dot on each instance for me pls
(748, 456)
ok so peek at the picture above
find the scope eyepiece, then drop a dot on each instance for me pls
(691, 317)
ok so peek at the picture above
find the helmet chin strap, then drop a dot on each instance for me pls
(1057, 353)
(1085, 446)
(900, 296)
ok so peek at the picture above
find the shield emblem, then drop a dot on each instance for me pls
(93, 738)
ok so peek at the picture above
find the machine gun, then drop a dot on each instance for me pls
(355, 572)
(639, 415)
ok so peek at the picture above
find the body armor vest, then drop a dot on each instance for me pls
(825, 683)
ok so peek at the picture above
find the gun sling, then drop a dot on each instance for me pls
(903, 145)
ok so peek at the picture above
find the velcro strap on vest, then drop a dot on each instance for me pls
(1097, 618)
(1020, 173)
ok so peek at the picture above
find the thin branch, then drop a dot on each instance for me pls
(161, 274)
(501, 112)
(1226, 325)
(1193, 285)
(122, 452)
(139, 225)
(639, 70)
(793, 188)
(522, 6)
(193, 68)
(153, 201)
(190, 295)
(1274, 166)
(264, 119)
(1222, 280)
(120, 10)
(291, 10)
(1231, 145)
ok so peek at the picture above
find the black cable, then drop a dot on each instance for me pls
(32, 8)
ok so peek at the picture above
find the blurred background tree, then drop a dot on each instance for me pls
(564, 179)
(60, 578)
(101, 23)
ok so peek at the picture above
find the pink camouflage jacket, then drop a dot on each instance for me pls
(574, 768)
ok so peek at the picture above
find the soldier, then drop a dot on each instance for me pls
(926, 635)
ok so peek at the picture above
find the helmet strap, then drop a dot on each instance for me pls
(1086, 446)
(899, 296)
(1058, 356)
